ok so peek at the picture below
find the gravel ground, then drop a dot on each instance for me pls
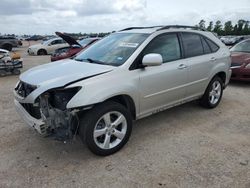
(186, 146)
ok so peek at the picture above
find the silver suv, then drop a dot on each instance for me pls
(127, 75)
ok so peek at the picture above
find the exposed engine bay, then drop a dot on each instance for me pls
(60, 122)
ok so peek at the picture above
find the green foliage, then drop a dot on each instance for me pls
(242, 27)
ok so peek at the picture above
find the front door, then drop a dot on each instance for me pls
(162, 85)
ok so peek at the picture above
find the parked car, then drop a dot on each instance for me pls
(126, 76)
(8, 43)
(231, 40)
(10, 64)
(35, 38)
(241, 61)
(73, 48)
(47, 47)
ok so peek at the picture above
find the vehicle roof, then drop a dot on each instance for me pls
(152, 29)
(56, 38)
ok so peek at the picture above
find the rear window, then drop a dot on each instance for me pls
(206, 47)
(214, 47)
(192, 44)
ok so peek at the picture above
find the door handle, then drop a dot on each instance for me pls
(213, 59)
(182, 66)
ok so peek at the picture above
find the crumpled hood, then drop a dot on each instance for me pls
(62, 72)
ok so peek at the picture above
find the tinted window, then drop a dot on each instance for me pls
(55, 42)
(166, 45)
(206, 48)
(192, 44)
(212, 45)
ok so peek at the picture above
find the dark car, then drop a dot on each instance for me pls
(35, 38)
(7, 42)
(241, 61)
(74, 48)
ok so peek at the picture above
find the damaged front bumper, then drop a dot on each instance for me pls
(38, 124)
(48, 114)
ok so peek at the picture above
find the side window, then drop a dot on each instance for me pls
(167, 45)
(206, 48)
(54, 42)
(192, 44)
(212, 45)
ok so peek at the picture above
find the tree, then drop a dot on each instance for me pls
(228, 28)
(240, 27)
(202, 24)
(218, 28)
(246, 29)
(210, 26)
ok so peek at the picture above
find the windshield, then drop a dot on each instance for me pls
(114, 49)
(242, 47)
(46, 42)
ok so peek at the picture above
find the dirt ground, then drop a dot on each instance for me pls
(186, 146)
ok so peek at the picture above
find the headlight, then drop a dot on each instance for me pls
(60, 97)
(247, 66)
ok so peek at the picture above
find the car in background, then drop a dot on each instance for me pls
(47, 47)
(8, 43)
(231, 40)
(73, 48)
(34, 38)
(240, 54)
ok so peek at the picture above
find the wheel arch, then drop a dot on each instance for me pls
(41, 49)
(126, 101)
(222, 75)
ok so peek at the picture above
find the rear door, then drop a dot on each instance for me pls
(162, 85)
(199, 59)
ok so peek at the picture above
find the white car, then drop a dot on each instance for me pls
(126, 76)
(47, 47)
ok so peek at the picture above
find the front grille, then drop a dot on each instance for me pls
(23, 89)
(32, 110)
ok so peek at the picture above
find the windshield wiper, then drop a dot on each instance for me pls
(92, 61)
(96, 61)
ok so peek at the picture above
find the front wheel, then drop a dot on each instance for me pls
(213, 93)
(106, 128)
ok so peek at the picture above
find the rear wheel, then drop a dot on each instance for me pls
(16, 72)
(3, 73)
(42, 52)
(106, 128)
(213, 93)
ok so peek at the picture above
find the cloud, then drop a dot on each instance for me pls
(10, 7)
(48, 16)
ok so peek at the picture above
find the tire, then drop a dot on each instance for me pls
(101, 121)
(41, 52)
(213, 93)
(16, 71)
(3, 73)
(7, 47)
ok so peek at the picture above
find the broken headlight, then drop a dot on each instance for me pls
(60, 97)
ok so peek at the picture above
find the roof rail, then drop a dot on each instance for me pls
(150, 27)
(182, 26)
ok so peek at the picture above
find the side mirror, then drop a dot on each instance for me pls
(152, 60)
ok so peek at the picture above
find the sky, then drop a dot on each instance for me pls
(48, 16)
